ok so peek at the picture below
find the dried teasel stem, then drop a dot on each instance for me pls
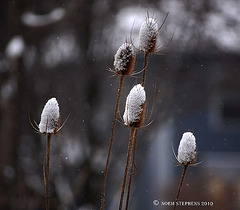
(48, 169)
(103, 200)
(132, 169)
(133, 117)
(186, 156)
(124, 62)
(130, 147)
(180, 185)
(49, 125)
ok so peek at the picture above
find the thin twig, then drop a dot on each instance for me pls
(146, 55)
(180, 185)
(130, 147)
(132, 169)
(48, 169)
(111, 142)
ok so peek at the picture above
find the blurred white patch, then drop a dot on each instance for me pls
(219, 30)
(124, 26)
(74, 152)
(15, 47)
(220, 25)
(33, 20)
(98, 161)
(35, 182)
(9, 88)
(60, 49)
(63, 190)
(87, 207)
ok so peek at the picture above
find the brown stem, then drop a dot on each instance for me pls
(180, 185)
(146, 55)
(111, 141)
(132, 169)
(130, 146)
(48, 169)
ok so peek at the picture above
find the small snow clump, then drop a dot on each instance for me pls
(124, 59)
(187, 149)
(148, 35)
(134, 106)
(50, 117)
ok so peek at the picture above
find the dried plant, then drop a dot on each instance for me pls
(133, 167)
(134, 115)
(134, 118)
(148, 36)
(187, 154)
(49, 125)
(124, 63)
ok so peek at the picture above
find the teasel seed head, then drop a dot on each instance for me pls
(124, 59)
(50, 117)
(148, 35)
(135, 107)
(187, 149)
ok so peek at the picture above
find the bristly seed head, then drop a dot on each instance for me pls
(50, 117)
(124, 59)
(187, 149)
(148, 35)
(135, 107)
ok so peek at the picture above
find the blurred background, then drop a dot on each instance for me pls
(64, 48)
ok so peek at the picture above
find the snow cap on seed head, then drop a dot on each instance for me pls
(187, 149)
(50, 117)
(124, 59)
(148, 35)
(134, 107)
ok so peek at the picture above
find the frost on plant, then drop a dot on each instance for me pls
(50, 117)
(148, 35)
(124, 59)
(134, 105)
(187, 149)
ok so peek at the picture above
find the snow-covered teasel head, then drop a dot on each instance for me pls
(148, 35)
(50, 117)
(135, 107)
(187, 149)
(124, 59)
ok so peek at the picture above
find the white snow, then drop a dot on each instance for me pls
(148, 34)
(187, 149)
(60, 49)
(15, 47)
(123, 56)
(49, 117)
(133, 108)
(33, 20)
